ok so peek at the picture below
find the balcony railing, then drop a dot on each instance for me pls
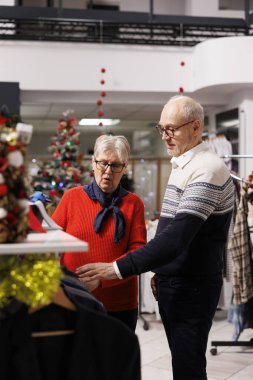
(163, 30)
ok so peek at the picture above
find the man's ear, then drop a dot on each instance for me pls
(197, 126)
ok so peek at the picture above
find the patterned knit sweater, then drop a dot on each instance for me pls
(195, 217)
(75, 214)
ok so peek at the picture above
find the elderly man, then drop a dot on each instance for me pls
(186, 253)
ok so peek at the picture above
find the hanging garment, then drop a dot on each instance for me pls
(241, 251)
(58, 342)
(242, 317)
(227, 254)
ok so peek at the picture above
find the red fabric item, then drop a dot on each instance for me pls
(75, 214)
(34, 223)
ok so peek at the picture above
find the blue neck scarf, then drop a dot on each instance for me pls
(108, 205)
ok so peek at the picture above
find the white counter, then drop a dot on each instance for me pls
(51, 241)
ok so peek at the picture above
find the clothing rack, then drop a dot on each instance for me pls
(238, 343)
(237, 156)
(241, 179)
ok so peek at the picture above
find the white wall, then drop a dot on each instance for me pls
(209, 8)
(223, 61)
(169, 7)
(7, 2)
(76, 67)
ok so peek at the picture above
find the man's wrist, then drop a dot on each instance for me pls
(116, 270)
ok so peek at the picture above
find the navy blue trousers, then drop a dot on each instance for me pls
(187, 308)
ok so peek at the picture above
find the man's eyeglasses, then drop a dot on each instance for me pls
(169, 131)
(115, 168)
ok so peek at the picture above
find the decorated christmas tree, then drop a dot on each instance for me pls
(32, 279)
(66, 169)
(14, 186)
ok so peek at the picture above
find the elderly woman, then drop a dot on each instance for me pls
(111, 220)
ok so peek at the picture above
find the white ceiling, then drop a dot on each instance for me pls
(138, 111)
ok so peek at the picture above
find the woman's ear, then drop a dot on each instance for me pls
(93, 163)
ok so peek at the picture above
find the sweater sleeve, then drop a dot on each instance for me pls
(164, 248)
(199, 200)
(61, 212)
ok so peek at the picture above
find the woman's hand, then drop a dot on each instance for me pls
(90, 285)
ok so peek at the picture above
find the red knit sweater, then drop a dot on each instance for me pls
(75, 214)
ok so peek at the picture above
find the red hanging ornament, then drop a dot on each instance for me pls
(99, 101)
(11, 148)
(21, 194)
(16, 210)
(3, 190)
(77, 141)
(53, 193)
(71, 131)
(56, 154)
(182, 63)
(11, 218)
(181, 90)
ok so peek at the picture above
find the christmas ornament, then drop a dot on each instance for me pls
(32, 279)
(181, 89)
(99, 101)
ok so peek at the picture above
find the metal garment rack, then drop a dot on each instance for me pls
(237, 343)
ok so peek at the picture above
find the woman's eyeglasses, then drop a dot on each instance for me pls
(115, 168)
(169, 131)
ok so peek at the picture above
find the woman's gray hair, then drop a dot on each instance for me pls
(191, 109)
(117, 145)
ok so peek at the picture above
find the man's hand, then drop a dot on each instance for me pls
(153, 284)
(96, 271)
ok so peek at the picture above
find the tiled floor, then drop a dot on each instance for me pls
(233, 363)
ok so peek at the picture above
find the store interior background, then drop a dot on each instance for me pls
(53, 77)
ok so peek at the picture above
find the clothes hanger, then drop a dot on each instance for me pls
(59, 299)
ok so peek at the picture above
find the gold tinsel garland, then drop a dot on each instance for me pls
(32, 279)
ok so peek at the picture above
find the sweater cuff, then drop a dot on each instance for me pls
(116, 269)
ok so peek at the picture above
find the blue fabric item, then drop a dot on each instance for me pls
(241, 316)
(108, 205)
(39, 196)
(236, 316)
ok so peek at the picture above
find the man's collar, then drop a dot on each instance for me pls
(186, 157)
